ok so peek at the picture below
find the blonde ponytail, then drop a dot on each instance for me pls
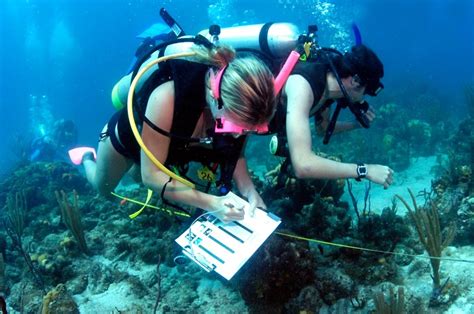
(218, 56)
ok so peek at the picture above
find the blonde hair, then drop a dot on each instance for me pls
(247, 88)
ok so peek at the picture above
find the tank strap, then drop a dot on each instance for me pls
(263, 39)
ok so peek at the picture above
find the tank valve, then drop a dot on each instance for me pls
(215, 31)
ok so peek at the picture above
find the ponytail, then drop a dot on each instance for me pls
(218, 56)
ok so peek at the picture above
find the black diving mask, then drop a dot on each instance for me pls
(372, 86)
(373, 89)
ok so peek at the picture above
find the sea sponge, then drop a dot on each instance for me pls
(388, 142)
(66, 243)
(58, 301)
(419, 129)
(42, 259)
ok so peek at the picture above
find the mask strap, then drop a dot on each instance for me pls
(216, 81)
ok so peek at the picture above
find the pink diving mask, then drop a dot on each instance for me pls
(226, 126)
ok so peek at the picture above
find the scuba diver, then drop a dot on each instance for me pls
(54, 144)
(49, 139)
(194, 109)
(320, 78)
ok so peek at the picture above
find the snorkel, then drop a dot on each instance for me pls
(357, 35)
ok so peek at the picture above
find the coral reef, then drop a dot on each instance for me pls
(382, 231)
(394, 305)
(398, 134)
(285, 275)
(267, 281)
(283, 184)
(40, 180)
(3, 286)
(430, 233)
(453, 187)
(71, 217)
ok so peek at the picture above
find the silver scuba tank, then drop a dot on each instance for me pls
(273, 39)
(276, 40)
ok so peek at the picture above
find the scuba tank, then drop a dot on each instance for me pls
(273, 40)
(276, 40)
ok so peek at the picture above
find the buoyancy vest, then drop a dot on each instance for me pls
(189, 104)
(314, 72)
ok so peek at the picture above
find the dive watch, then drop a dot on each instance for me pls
(361, 172)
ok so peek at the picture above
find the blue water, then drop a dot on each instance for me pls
(73, 51)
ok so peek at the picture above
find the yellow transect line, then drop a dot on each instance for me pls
(151, 206)
(372, 250)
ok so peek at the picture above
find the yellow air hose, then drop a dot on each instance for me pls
(133, 125)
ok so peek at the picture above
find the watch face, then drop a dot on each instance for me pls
(362, 170)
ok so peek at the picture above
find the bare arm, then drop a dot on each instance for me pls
(305, 162)
(160, 111)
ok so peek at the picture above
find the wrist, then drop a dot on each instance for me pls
(213, 203)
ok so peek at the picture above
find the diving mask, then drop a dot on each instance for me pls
(372, 86)
(224, 125)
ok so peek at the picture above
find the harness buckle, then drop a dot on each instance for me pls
(205, 140)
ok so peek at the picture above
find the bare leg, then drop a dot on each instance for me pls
(106, 172)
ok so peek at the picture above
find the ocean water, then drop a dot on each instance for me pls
(74, 51)
(59, 59)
